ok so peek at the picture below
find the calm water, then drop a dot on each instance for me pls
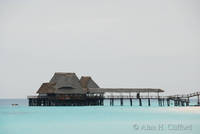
(96, 119)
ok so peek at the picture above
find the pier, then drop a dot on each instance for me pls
(66, 89)
(184, 99)
(175, 100)
(98, 100)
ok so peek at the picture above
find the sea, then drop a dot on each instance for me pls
(23, 119)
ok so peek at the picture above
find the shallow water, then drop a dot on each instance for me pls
(96, 120)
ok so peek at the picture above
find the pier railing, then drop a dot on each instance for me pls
(184, 95)
(132, 97)
(105, 97)
(63, 97)
(97, 99)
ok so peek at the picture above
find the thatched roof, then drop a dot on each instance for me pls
(87, 82)
(68, 83)
(47, 88)
(124, 90)
(62, 83)
(65, 80)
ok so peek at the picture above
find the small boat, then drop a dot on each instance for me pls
(14, 104)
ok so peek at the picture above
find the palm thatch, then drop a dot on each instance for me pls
(62, 83)
(69, 83)
(87, 82)
(47, 88)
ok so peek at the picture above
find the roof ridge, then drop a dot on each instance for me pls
(64, 73)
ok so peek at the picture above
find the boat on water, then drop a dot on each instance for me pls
(14, 104)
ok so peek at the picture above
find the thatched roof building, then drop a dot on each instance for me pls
(66, 89)
(69, 83)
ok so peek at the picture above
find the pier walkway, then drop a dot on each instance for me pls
(176, 100)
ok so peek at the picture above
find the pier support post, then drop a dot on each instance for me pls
(149, 102)
(188, 101)
(159, 102)
(163, 101)
(111, 101)
(198, 103)
(175, 102)
(30, 102)
(178, 102)
(40, 103)
(44, 102)
(168, 102)
(182, 103)
(131, 102)
(121, 101)
(140, 102)
(102, 102)
(99, 102)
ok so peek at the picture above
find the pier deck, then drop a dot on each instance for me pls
(66, 89)
(98, 99)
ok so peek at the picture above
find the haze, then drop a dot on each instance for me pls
(120, 43)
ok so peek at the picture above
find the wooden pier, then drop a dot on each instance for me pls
(184, 99)
(98, 100)
(178, 100)
(66, 89)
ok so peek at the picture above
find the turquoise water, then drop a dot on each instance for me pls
(96, 120)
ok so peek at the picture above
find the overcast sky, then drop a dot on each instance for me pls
(120, 43)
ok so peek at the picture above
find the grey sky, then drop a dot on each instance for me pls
(120, 43)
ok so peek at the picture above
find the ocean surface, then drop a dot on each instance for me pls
(106, 119)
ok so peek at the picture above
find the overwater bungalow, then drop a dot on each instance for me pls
(66, 89)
